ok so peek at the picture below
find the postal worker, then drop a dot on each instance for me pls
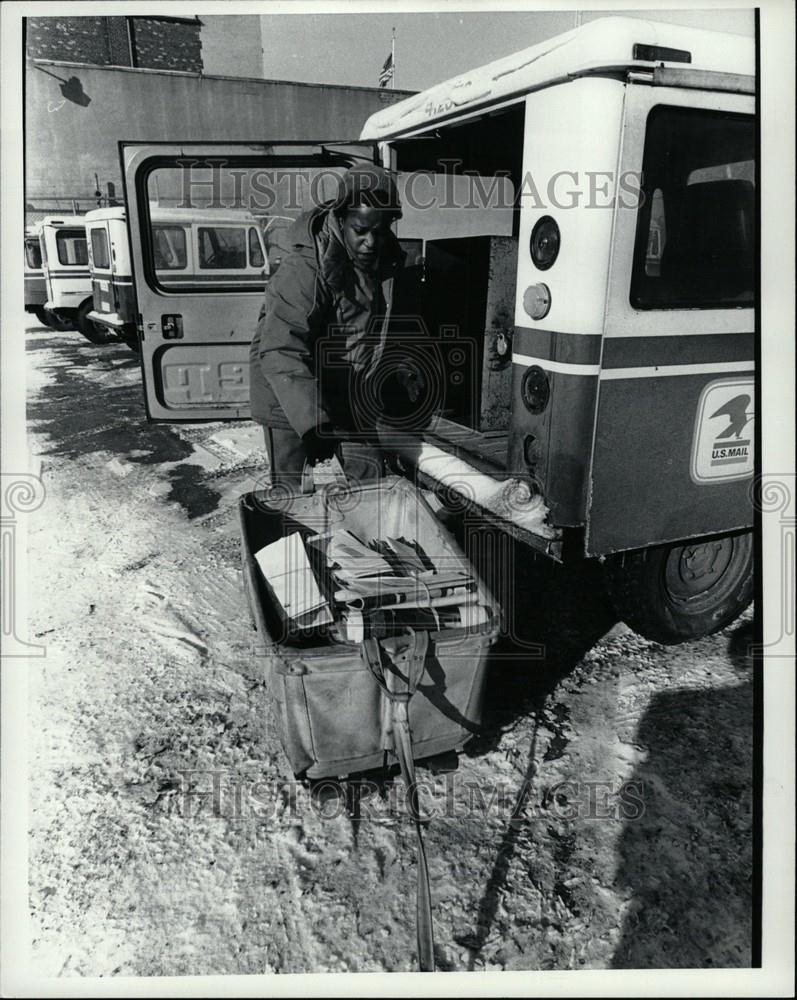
(322, 330)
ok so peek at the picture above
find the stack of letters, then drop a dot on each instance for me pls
(365, 589)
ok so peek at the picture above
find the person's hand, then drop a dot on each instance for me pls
(320, 443)
(411, 379)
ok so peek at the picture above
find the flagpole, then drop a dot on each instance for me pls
(393, 60)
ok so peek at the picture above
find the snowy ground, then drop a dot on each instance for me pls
(602, 820)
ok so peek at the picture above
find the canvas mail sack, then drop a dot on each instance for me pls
(333, 714)
(353, 706)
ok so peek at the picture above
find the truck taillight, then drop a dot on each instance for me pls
(544, 243)
(535, 389)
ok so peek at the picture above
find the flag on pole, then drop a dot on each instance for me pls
(387, 71)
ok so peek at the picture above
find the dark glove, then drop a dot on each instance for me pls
(405, 396)
(320, 443)
(411, 378)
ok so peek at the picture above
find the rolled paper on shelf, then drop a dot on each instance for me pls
(463, 616)
(355, 626)
(440, 602)
(411, 599)
(383, 585)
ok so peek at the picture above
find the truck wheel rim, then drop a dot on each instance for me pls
(696, 571)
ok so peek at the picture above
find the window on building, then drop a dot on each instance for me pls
(33, 254)
(71, 247)
(255, 250)
(222, 248)
(99, 249)
(169, 247)
(695, 241)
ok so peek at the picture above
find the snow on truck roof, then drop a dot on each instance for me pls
(101, 214)
(64, 220)
(160, 213)
(606, 44)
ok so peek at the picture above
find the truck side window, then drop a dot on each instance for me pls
(71, 247)
(168, 243)
(99, 249)
(255, 250)
(695, 238)
(221, 247)
(33, 254)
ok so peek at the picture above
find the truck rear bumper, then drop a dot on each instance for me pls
(112, 320)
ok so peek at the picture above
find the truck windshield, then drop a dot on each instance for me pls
(695, 240)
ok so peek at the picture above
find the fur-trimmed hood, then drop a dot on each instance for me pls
(308, 235)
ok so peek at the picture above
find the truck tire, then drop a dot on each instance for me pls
(90, 330)
(49, 319)
(129, 336)
(673, 593)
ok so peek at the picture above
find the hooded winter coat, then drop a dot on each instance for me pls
(313, 296)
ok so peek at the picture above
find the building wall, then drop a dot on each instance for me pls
(232, 45)
(76, 115)
(147, 42)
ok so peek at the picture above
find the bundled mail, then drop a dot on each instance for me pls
(286, 567)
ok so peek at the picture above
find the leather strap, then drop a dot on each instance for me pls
(398, 681)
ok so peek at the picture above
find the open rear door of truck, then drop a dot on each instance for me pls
(193, 214)
(672, 451)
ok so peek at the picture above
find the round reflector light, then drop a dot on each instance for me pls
(537, 301)
(544, 243)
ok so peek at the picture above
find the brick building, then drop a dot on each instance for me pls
(170, 43)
